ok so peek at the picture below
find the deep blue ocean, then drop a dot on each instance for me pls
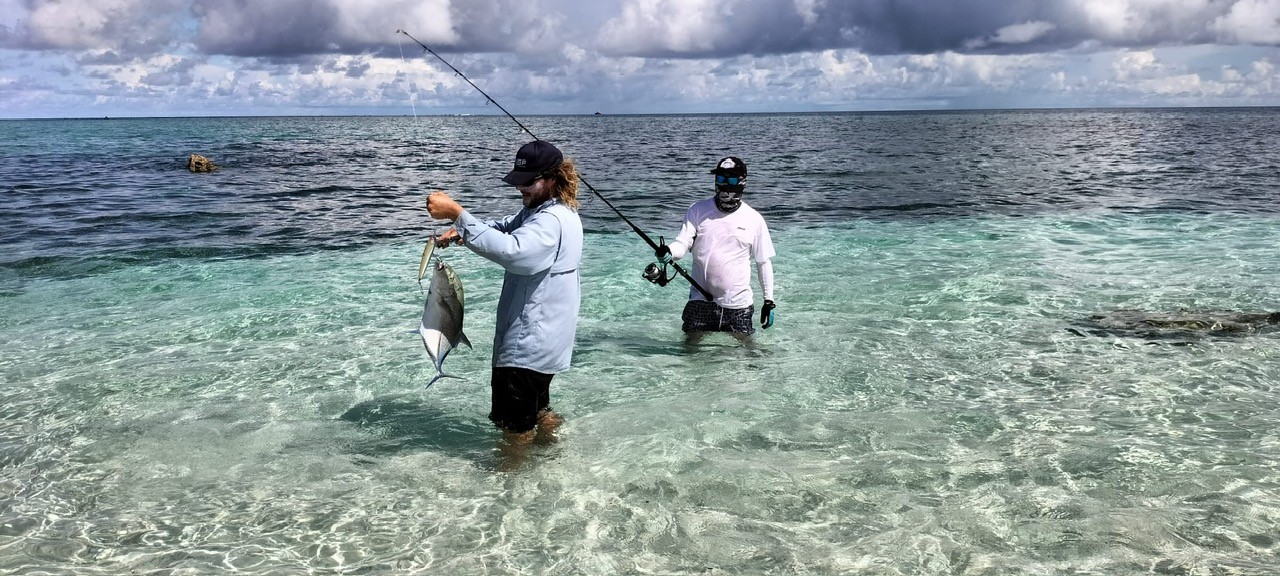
(1009, 342)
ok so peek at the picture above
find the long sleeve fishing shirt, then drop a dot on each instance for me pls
(723, 246)
(540, 249)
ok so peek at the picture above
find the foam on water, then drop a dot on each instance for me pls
(920, 407)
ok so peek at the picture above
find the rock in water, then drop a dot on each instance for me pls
(198, 163)
(1183, 324)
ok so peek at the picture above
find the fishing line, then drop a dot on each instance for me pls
(430, 247)
(413, 94)
(526, 130)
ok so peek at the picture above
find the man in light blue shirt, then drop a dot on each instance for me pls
(540, 248)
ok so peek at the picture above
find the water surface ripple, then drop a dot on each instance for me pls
(208, 373)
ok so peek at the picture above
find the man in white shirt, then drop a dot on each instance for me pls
(724, 235)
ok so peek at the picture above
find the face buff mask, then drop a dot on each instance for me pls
(729, 198)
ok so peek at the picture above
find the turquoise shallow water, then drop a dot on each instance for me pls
(921, 407)
(211, 373)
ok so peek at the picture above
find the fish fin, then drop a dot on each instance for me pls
(463, 337)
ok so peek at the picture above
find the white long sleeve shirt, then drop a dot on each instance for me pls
(723, 247)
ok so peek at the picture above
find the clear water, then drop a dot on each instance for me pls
(210, 372)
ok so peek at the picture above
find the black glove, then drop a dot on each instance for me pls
(766, 314)
(663, 253)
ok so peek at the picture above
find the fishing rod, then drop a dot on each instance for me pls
(624, 218)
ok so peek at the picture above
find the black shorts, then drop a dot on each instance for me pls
(519, 396)
(704, 316)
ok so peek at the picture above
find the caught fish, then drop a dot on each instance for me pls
(441, 325)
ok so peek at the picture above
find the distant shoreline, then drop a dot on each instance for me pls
(643, 114)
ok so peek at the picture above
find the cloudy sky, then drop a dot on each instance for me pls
(89, 58)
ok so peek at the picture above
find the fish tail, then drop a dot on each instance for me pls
(439, 376)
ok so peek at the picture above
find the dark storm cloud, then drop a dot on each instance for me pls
(883, 27)
(282, 29)
(289, 29)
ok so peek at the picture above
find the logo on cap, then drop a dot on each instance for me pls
(728, 163)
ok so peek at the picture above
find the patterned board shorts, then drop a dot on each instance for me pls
(704, 316)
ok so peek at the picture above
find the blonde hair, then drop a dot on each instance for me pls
(566, 178)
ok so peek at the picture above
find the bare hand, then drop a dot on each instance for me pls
(449, 238)
(442, 207)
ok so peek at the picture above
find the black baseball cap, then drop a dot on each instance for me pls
(731, 166)
(533, 160)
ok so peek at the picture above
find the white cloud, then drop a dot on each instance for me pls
(1251, 21)
(1135, 64)
(1013, 34)
(156, 56)
(839, 65)
(1022, 33)
(1058, 81)
(102, 24)
(1181, 85)
(1262, 79)
(1109, 19)
(371, 22)
(808, 10)
(1264, 68)
(1151, 23)
(670, 25)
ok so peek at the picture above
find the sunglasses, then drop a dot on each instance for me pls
(529, 183)
(730, 180)
(533, 180)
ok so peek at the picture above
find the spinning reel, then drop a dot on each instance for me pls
(656, 272)
(657, 275)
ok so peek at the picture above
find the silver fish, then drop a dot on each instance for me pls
(441, 325)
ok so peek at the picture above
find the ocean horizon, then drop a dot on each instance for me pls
(384, 114)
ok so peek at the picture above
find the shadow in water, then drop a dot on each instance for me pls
(404, 424)
(1182, 325)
